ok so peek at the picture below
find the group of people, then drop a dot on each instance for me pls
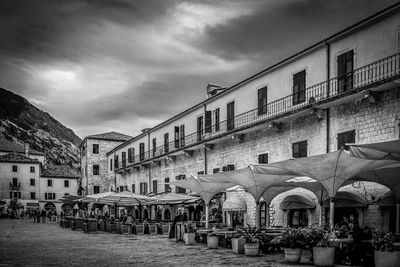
(40, 215)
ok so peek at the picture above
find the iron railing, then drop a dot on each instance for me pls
(360, 79)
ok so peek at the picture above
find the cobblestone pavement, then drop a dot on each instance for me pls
(24, 243)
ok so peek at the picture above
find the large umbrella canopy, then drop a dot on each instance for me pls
(383, 150)
(297, 202)
(331, 169)
(126, 198)
(95, 197)
(205, 190)
(69, 199)
(172, 198)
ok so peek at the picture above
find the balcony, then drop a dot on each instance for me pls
(15, 186)
(324, 94)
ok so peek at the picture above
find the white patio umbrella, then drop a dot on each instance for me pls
(126, 198)
(205, 190)
(94, 198)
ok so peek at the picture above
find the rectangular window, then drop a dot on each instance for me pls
(49, 182)
(346, 137)
(14, 168)
(166, 142)
(176, 136)
(141, 151)
(96, 169)
(167, 188)
(182, 135)
(33, 195)
(143, 188)
(116, 163)
(208, 122)
(215, 170)
(230, 116)
(133, 188)
(154, 147)
(200, 172)
(228, 168)
(199, 128)
(299, 87)
(11, 194)
(111, 161)
(15, 182)
(130, 155)
(345, 71)
(299, 149)
(66, 183)
(121, 188)
(180, 190)
(32, 169)
(19, 195)
(216, 119)
(95, 148)
(83, 151)
(32, 182)
(262, 100)
(263, 158)
(123, 156)
(155, 186)
(96, 189)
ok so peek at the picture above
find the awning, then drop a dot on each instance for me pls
(346, 199)
(386, 200)
(32, 204)
(172, 198)
(234, 204)
(297, 202)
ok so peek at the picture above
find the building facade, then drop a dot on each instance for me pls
(343, 89)
(94, 170)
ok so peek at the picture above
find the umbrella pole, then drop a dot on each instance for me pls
(397, 218)
(332, 212)
(207, 216)
(258, 214)
(320, 214)
(267, 215)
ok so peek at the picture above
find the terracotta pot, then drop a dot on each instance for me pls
(251, 249)
(212, 242)
(238, 245)
(189, 238)
(292, 255)
(323, 256)
(387, 259)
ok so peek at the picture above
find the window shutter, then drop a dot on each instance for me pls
(230, 116)
(176, 137)
(199, 128)
(182, 135)
(208, 121)
(216, 118)
(166, 142)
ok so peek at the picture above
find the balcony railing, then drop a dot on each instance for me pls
(360, 79)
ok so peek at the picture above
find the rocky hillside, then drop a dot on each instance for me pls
(21, 122)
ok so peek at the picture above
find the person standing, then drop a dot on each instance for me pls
(43, 214)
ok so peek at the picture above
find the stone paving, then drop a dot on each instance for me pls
(24, 243)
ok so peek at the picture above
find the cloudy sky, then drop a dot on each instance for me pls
(125, 65)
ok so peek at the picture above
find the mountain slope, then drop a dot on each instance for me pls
(21, 122)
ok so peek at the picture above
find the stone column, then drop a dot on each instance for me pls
(207, 206)
(321, 206)
(258, 214)
(266, 215)
(332, 213)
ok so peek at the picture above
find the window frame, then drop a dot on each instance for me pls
(301, 145)
(261, 158)
(262, 100)
(49, 183)
(95, 149)
(345, 137)
(299, 87)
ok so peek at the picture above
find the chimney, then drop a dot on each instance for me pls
(26, 147)
(214, 89)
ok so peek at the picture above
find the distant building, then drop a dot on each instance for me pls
(7, 147)
(93, 149)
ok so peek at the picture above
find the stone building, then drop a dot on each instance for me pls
(94, 170)
(342, 89)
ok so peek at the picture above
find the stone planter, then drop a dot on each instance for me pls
(387, 259)
(251, 249)
(292, 255)
(323, 256)
(212, 242)
(238, 245)
(189, 238)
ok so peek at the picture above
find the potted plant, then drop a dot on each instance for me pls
(293, 242)
(318, 239)
(252, 245)
(190, 235)
(385, 256)
(212, 240)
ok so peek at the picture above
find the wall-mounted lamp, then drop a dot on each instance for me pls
(239, 137)
(276, 125)
(318, 113)
(188, 152)
(371, 96)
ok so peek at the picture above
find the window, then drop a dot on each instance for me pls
(116, 163)
(345, 71)
(32, 169)
(230, 116)
(199, 128)
(143, 188)
(262, 100)
(121, 188)
(155, 186)
(66, 183)
(33, 195)
(11, 194)
(180, 190)
(228, 168)
(131, 155)
(96, 169)
(216, 119)
(49, 196)
(96, 189)
(141, 151)
(299, 87)
(176, 137)
(200, 172)
(95, 148)
(83, 150)
(182, 135)
(133, 188)
(167, 188)
(299, 149)
(49, 182)
(215, 170)
(208, 120)
(346, 137)
(154, 147)
(166, 142)
(111, 164)
(14, 168)
(263, 158)
(32, 182)
(15, 182)
(123, 156)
